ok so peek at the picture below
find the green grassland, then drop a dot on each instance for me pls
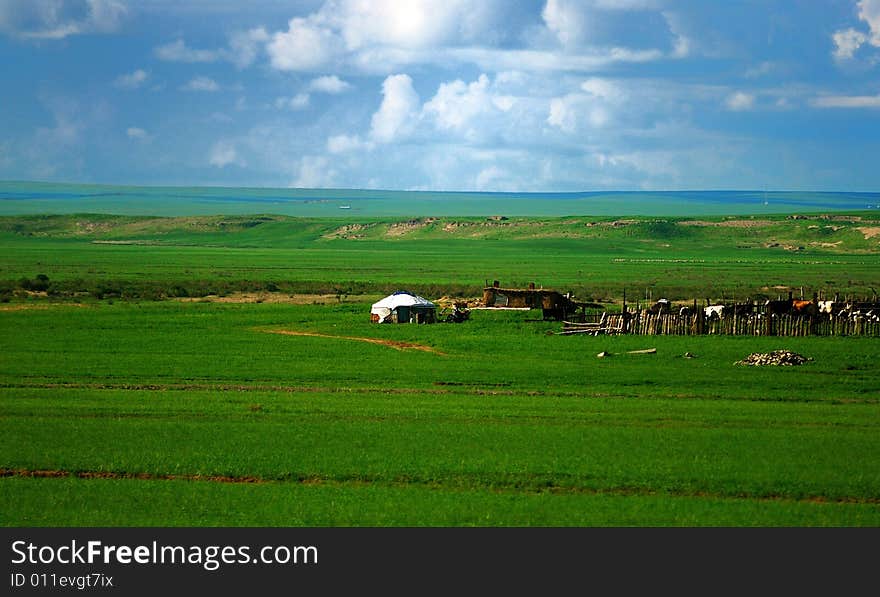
(122, 405)
(502, 424)
(596, 258)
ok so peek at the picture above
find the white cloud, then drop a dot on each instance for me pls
(491, 178)
(739, 101)
(138, 133)
(603, 89)
(385, 36)
(305, 46)
(869, 12)
(414, 24)
(52, 19)
(131, 80)
(567, 19)
(315, 172)
(242, 50)
(245, 46)
(178, 51)
(396, 116)
(761, 69)
(300, 101)
(682, 45)
(846, 42)
(457, 103)
(491, 59)
(201, 83)
(346, 143)
(594, 107)
(223, 153)
(846, 101)
(329, 84)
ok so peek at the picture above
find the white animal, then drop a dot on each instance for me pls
(714, 311)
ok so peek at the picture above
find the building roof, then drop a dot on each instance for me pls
(402, 298)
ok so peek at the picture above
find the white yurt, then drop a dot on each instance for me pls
(403, 307)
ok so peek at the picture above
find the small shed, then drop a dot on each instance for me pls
(403, 307)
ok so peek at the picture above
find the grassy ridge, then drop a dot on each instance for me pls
(597, 258)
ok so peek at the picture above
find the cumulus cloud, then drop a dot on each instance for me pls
(242, 49)
(567, 19)
(869, 12)
(305, 46)
(848, 41)
(245, 46)
(224, 153)
(398, 113)
(329, 84)
(132, 80)
(315, 172)
(457, 103)
(384, 36)
(53, 19)
(739, 101)
(592, 106)
(413, 24)
(201, 83)
(491, 178)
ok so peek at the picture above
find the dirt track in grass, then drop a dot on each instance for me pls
(395, 344)
(516, 485)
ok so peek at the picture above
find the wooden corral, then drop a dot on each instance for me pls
(759, 324)
(553, 304)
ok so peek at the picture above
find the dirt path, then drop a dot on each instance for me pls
(456, 483)
(395, 344)
(20, 307)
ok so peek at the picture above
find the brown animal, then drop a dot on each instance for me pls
(781, 307)
(804, 308)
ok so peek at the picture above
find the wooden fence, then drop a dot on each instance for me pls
(649, 324)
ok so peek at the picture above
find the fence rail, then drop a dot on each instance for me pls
(649, 324)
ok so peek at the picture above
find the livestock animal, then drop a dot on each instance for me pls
(831, 308)
(863, 313)
(662, 305)
(778, 307)
(743, 309)
(715, 311)
(804, 308)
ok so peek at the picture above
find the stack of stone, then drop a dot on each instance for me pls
(777, 357)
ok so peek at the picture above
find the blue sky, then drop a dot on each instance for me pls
(487, 95)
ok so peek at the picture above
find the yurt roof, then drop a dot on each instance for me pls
(402, 298)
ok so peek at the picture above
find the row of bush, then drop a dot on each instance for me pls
(165, 289)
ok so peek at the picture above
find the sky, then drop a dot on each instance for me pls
(465, 95)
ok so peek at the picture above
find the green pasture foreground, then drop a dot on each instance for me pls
(202, 414)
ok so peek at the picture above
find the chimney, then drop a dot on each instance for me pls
(495, 283)
(531, 285)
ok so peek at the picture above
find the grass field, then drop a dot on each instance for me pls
(597, 258)
(131, 394)
(198, 413)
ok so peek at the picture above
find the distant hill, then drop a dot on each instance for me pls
(829, 233)
(19, 198)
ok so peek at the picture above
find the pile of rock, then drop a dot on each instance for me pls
(777, 357)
